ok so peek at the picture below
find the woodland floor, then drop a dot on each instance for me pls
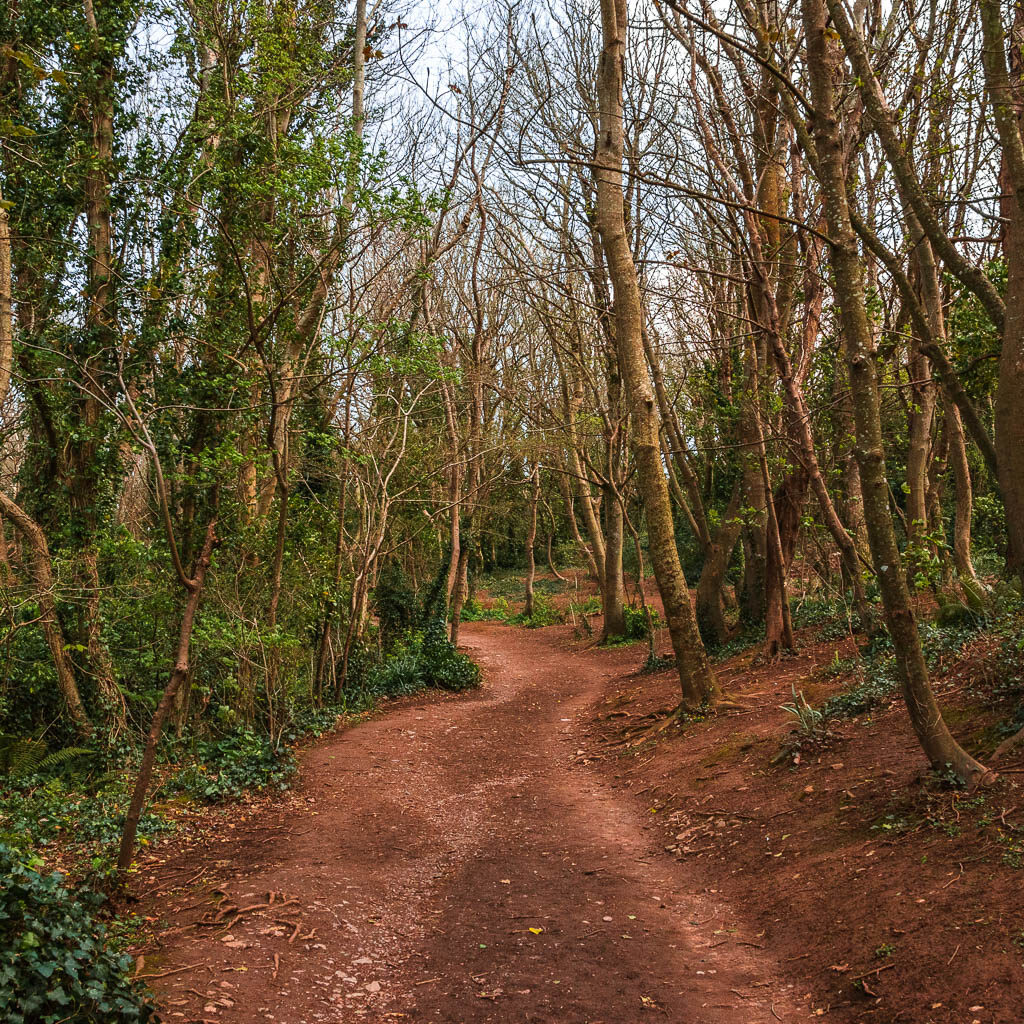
(504, 856)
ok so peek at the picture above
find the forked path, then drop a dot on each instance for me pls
(454, 861)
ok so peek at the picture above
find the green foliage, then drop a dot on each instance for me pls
(55, 963)
(924, 558)
(395, 601)
(23, 756)
(877, 679)
(225, 768)
(499, 611)
(588, 606)
(38, 812)
(421, 659)
(809, 721)
(544, 613)
(637, 627)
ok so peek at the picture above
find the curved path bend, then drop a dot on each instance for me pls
(454, 860)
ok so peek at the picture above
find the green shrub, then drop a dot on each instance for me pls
(55, 964)
(421, 659)
(225, 768)
(588, 606)
(443, 666)
(474, 611)
(636, 623)
(37, 812)
(544, 613)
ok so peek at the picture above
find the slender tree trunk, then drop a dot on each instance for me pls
(613, 596)
(570, 515)
(531, 539)
(178, 675)
(6, 305)
(590, 520)
(43, 584)
(939, 746)
(461, 592)
(696, 678)
(964, 508)
(100, 318)
(710, 608)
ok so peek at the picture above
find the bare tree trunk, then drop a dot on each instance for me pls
(570, 515)
(939, 746)
(178, 675)
(461, 593)
(696, 678)
(531, 539)
(100, 322)
(590, 520)
(6, 305)
(1006, 90)
(964, 508)
(613, 595)
(710, 609)
(551, 559)
(42, 578)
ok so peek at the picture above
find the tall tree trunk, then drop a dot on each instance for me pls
(613, 594)
(531, 539)
(710, 608)
(99, 343)
(574, 529)
(6, 305)
(964, 508)
(1005, 84)
(696, 678)
(939, 746)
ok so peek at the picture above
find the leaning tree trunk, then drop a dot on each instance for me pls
(935, 738)
(178, 675)
(696, 677)
(570, 515)
(42, 578)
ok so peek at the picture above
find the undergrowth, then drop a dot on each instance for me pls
(56, 963)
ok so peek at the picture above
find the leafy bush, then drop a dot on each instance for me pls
(500, 611)
(421, 659)
(225, 768)
(544, 613)
(588, 606)
(38, 812)
(636, 623)
(55, 965)
(443, 666)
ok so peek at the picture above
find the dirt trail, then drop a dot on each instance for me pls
(453, 861)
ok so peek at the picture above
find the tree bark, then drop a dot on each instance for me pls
(940, 747)
(42, 578)
(613, 594)
(962, 560)
(531, 539)
(178, 675)
(696, 678)
(710, 608)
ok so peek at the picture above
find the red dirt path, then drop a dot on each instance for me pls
(456, 860)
